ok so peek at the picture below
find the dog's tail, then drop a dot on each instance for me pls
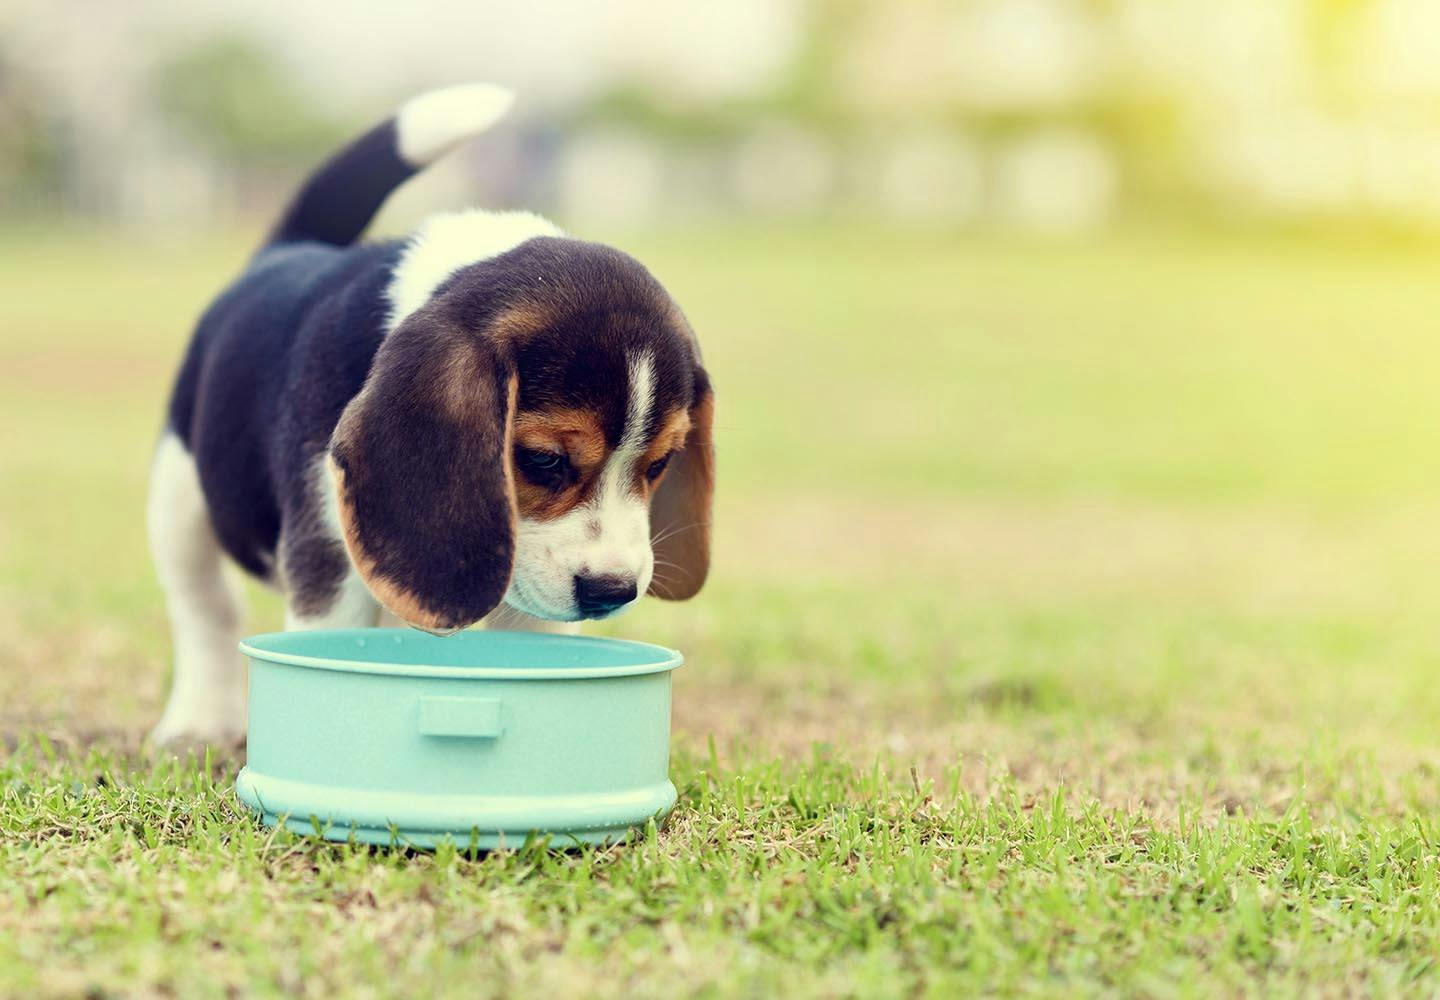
(339, 199)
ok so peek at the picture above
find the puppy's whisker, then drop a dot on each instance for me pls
(672, 531)
(505, 615)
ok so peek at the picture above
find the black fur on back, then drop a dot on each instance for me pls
(271, 365)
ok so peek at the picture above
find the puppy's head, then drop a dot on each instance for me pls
(538, 433)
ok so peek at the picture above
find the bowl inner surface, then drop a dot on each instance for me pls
(513, 655)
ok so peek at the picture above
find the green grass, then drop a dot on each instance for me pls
(1073, 630)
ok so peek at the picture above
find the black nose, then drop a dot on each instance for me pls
(600, 595)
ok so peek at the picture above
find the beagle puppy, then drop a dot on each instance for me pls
(486, 420)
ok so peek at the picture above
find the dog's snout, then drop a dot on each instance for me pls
(596, 596)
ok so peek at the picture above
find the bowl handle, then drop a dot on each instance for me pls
(461, 717)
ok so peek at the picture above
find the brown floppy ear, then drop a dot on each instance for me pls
(680, 511)
(421, 465)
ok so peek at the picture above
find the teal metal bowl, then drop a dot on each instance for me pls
(395, 736)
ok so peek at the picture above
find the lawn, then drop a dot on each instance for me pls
(1073, 630)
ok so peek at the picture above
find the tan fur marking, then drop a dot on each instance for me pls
(459, 377)
(536, 503)
(576, 432)
(518, 323)
(670, 437)
(539, 504)
(507, 459)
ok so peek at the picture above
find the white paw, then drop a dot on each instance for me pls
(208, 722)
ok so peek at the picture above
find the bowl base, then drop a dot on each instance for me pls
(428, 840)
(399, 819)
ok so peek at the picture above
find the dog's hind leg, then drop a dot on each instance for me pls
(207, 690)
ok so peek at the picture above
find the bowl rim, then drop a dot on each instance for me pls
(660, 659)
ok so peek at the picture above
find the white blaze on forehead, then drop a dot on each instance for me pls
(621, 514)
(642, 397)
(637, 409)
(443, 244)
(639, 399)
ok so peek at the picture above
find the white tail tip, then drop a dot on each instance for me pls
(431, 124)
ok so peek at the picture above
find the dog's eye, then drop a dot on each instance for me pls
(656, 467)
(544, 468)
